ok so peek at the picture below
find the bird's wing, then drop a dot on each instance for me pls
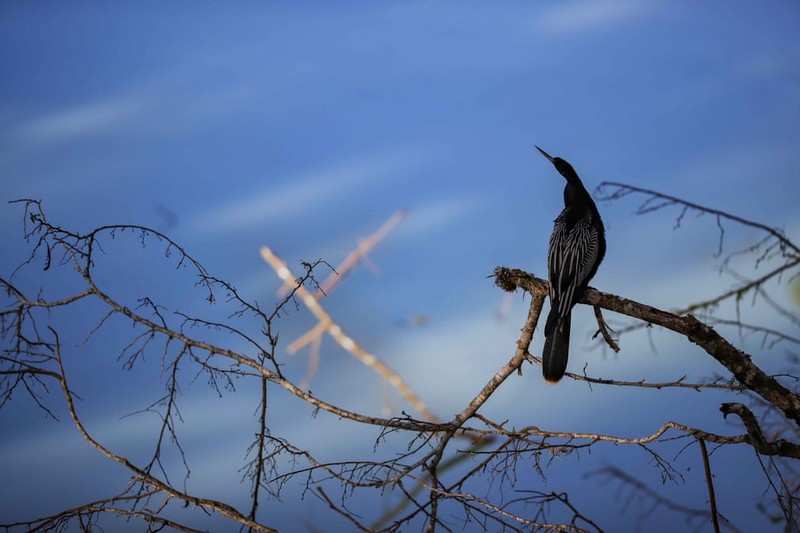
(571, 259)
(555, 256)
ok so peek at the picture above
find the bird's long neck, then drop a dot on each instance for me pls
(576, 195)
(578, 205)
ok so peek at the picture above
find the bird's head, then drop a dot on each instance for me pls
(564, 168)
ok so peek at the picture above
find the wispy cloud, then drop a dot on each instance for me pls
(588, 15)
(301, 193)
(435, 215)
(172, 101)
(442, 347)
(78, 121)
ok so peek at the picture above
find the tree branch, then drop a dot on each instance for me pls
(779, 447)
(736, 361)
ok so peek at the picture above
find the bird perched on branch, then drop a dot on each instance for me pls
(577, 247)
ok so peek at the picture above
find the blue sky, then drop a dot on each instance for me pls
(303, 126)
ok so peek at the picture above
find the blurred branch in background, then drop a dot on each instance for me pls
(342, 339)
(313, 337)
(365, 246)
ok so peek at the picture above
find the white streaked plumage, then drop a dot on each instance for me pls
(571, 256)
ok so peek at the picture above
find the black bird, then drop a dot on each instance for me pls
(577, 247)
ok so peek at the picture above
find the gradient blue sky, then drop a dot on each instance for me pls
(304, 126)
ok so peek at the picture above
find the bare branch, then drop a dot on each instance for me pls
(779, 447)
(712, 500)
(145, 477)
(736, 361)
(620, 190)
(604, 330)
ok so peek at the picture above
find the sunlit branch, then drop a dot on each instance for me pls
(679, 383)
(345, 341)
(364, 247)
(598, 437)
(334, 278)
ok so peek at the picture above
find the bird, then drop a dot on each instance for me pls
(577, 246)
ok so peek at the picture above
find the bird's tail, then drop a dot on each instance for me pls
(556, 346)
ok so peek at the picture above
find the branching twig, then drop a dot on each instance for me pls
(622, 189)
(603, 329)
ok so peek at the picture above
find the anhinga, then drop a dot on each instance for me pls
(577, 247)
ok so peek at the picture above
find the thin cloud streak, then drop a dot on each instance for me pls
(301, 194)
(434, 216)
(78, 121)
(587, 15)
(165, 103)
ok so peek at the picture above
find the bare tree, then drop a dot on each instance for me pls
(458, 471)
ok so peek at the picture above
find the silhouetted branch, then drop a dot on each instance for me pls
(656, 200)
(712, 499)
(780, 447)
(774, 244)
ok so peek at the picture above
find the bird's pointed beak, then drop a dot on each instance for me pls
(545, 154)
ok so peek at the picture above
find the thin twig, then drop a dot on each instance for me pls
(603, 329)
(349, 516)
(712, 500)
(624, 189)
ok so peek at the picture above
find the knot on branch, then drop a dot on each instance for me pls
(504, 279)
(510, 279)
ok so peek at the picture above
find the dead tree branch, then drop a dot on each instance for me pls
(736, 361)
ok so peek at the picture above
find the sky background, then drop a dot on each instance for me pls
(304, 126)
